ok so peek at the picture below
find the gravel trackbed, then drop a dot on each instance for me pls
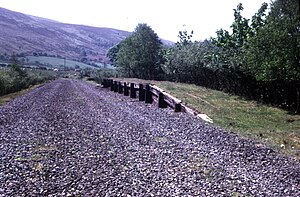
(69, 138)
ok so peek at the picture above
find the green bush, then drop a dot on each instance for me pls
(15, 78)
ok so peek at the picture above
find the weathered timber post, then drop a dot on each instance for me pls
(120, 88)
(148, 94)
(161, 101)
(105, 83)
(115, 86)
(141, 92)
(111, 85)
(177, 107)
(132, 91)
(126, 89)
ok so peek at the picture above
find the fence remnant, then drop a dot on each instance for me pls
(115, 86)
(132, 91)
(112, 85)
(126, 89)
(161, 101)
(141, 92)
(120, 90)
(150, 93)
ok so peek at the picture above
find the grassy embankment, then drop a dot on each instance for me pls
(8, 97)
(15, 81)
(248, 118)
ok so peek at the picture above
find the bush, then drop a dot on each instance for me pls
(15, 79)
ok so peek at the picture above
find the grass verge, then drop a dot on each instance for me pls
(267, 124)
(8, 97)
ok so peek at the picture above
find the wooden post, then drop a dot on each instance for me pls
(177, 107)
(132, 91)
(105, 83)
(126, 89)
(148, 94)
(161, 101)
(115, 86)
(111, 85)
(120, 88)
(141, 92)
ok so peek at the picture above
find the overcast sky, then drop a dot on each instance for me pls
(166, 17)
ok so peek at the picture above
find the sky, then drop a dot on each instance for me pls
(165, 17)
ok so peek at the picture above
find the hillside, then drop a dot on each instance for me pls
(25, 34)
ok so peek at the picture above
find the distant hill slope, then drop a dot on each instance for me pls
(20, 33)
(25, 34)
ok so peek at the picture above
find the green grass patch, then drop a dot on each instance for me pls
(272, 125)
(8, 97)
(56, 62)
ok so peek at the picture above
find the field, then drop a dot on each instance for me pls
(268, 124)
(56, 62)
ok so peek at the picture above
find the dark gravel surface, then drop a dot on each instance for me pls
(68, 138)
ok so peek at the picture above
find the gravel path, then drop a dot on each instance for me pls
(68, 138)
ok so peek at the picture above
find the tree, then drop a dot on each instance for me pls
(274, 53)
(185, 38)
(139, 54)
(124, 59)
(234, 44)
(259, 19)
(188, 61)
(112, 53)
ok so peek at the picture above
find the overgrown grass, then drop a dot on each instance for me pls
(8, 97)
(14, 79)
(275, 126)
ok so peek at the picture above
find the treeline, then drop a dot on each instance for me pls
(259, 59)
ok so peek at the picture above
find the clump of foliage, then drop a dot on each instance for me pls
(139, 54)
(274, 51)
(15, 78)
(97, 75)
(266, 51)
(258, 59)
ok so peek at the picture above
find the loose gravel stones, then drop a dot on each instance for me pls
(68, 138)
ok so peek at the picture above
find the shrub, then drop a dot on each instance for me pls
(15, 78)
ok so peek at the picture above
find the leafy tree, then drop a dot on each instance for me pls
(259, 19)
(188, 60)
(185, 38)
(112, 53)
(125, 60)
(234, 44)
(139, 55)
(174, 57)
(274, 52)
(258, 59)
